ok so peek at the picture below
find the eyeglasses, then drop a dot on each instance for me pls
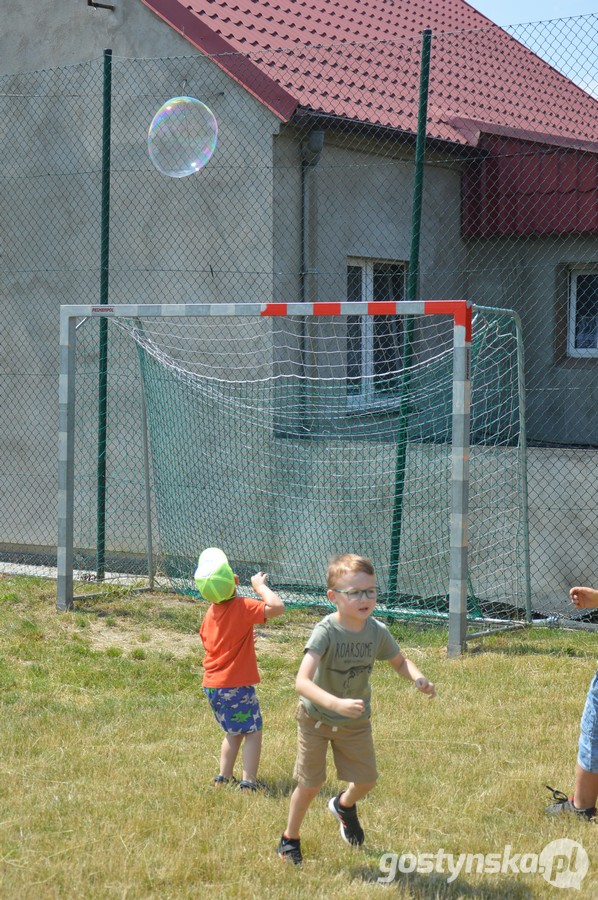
(369, 594)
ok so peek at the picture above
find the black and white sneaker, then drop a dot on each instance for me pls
(564, 804)
(351, 830)
(289, 849)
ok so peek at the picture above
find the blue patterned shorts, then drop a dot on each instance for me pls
(587, 756)
(237, 709)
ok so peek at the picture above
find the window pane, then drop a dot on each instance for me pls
(586, 312)
(389, 280)
(354, 338)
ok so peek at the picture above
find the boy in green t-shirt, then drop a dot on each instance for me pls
(334, 708)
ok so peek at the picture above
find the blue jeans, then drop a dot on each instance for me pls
(587, 756)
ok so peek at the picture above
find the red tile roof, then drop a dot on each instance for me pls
(360, 59)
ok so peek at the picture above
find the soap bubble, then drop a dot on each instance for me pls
(182, 137)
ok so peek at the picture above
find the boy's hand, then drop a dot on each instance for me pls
(272, 602)
(353, 709)
(426, 687)
(584, 597)
(258, 580)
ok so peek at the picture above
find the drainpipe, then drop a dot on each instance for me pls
(311, 150)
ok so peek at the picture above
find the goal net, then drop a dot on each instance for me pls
(286, 438)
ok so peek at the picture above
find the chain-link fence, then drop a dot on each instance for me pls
(314, 205)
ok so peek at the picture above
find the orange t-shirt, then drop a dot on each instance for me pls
(227, 635)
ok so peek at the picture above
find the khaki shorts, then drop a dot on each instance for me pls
(352, 749)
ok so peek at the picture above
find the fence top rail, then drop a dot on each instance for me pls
(456, 308)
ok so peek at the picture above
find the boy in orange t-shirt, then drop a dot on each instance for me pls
(230, 664)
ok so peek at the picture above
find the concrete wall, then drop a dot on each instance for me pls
(530, 276)
(204, 238)
(563, 498)
(57, 33)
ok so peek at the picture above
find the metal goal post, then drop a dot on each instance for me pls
(72, 316)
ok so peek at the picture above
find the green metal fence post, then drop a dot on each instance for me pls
(412, 290)
(103, 351)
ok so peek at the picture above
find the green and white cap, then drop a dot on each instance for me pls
(214, 577)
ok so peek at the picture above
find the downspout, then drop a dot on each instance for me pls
(311, 151)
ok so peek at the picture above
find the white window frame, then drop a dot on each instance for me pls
(572, 350)
(368, 397)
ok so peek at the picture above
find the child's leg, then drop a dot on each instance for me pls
(344, 809)
(231, 707)
(310, 766)
(586, 773)
(228, 753)
(252, 749)
(300, 801)
(355, 760)
(586, 788)
(355, 792)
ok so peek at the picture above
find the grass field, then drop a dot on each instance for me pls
(108, 748)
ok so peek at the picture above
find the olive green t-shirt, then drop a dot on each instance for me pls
(347, 658)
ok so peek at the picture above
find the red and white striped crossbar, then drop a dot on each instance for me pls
(460, 310)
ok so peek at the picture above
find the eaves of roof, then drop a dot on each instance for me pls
(308, 118)
(472, 129)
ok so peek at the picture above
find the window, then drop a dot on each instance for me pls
(582, 334)
(374, 344)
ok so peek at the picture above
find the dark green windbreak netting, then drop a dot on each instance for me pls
(258, 446)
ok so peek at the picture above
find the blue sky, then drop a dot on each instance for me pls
(511, 12)
(571, 48)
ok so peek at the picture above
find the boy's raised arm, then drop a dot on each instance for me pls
(306, 686)
(273, 603)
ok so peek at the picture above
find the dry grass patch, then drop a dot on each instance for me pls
(107, 750)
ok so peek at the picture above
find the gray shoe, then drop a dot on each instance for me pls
(252, 785)
(564, 804)
(220, 780)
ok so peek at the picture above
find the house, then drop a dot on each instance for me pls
(522, 137)
(310, 193)
(510, 214)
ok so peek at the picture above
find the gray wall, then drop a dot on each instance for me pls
(55, 33)
(563, 497)
(529, 275)
(364, 209)
(206, 238)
